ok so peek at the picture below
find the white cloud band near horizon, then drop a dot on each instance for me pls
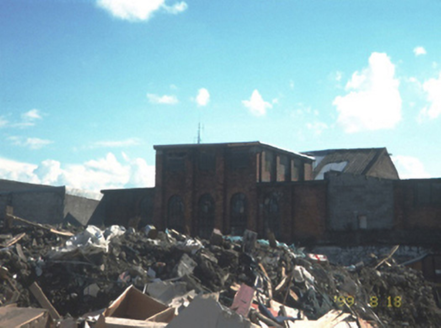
(110, 172)
(107, 172)
(410, 167)
(139, 10)
(373, 101)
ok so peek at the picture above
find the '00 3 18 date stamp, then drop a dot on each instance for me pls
(374, 301)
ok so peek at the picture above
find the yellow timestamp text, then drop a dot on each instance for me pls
(374, 301)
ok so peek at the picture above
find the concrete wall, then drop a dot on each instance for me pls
(354, 199)
(79, 210)
(124, 206)
(43, 205)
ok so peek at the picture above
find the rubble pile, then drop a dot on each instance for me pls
(268, 283)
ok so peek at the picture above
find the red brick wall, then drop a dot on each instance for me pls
(309, 210)
(225, 181)
(409, 212)
(192, 183)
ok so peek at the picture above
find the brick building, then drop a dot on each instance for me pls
(369, 162)
(232, 186)
(339, 196)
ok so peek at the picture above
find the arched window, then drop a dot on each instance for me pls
(271, 220)
(206, 217)
(239, 214)
(175, 215)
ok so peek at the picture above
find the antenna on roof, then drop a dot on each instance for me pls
(199, 133)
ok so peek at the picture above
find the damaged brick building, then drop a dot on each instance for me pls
(330, 195)
(232, 186)
(343, 194)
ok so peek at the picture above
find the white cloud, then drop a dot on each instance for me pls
(176, 8)
(141, 174)
(49, 172)
(116, 143)
(139, 10)
(165, 99)
(409, 167)
(203, 97)
(28, 119)
(418, 51)
(373, 101)
(3, 122)
(31, 143)
(432, 89)
(317, 127)
(96, 174)
(31, 115)
(14, 170)
(256, 105)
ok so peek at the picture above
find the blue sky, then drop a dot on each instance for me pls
(88, 87)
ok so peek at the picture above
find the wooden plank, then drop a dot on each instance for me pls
(41, 226)
(44, 302)
(8, 216)
(392, 252)
(14, 239)
(112, 322)
(268, 280)
(20, 253)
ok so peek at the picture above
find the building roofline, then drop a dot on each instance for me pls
(326, 151)
(234, 144)
(103, 191)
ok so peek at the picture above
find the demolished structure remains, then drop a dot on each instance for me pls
(232, 235)
(127, 278)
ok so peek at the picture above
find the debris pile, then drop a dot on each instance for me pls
(257, 283)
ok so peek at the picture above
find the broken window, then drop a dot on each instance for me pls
(271, 221)
(176, 161)
(296, 170)
(239, 213)
(267, 167)
(282, 168)
(175, 217)
(207, 161)
(206, 216)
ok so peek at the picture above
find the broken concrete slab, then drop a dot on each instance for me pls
(23, 317)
